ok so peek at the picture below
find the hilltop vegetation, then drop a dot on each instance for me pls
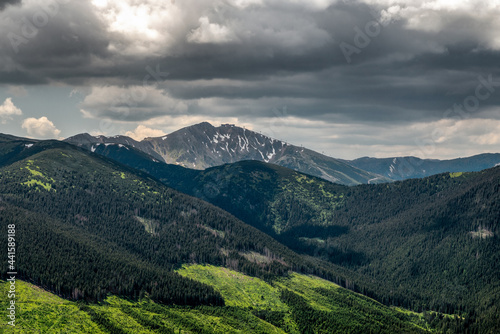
(92, 227)
(39, 311)
(306, 304)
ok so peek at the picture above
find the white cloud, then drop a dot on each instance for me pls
(140, 27)
(7, 110)
(314, 4)
(246, 3)
(161, 28)
(142, 132)
(210, 33)
(40, 127)
(456, 18)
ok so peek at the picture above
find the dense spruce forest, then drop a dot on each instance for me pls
(91, 226)
(78, 217)
(433, 241)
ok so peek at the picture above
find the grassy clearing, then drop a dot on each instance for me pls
(151, 226)
(256, 257)
(37, 177)
(238, 290)
(313, 240)
(217, 233)
(33, 182)
(323, 300)
(482, 233)
(351, 309)
(39, 311)
(305, 286)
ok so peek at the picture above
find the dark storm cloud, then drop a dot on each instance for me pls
(275, 40)
(281, 52)
(5, 3)
(51, 43)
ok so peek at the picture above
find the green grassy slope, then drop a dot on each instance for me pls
(252, 306)
(39, 311)
(301, 303)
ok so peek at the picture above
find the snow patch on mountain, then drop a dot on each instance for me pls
(271, 155)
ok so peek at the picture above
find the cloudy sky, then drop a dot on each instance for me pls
(349, 78)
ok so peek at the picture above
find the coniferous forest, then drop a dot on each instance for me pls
(90, 228)
(432, 241)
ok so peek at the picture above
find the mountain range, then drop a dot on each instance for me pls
(402, 168)
(112, 226)
(203, 146)
(399, 233)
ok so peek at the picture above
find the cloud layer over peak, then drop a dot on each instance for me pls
(359, 63)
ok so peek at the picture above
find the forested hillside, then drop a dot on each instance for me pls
(433, 241)
(90, 227)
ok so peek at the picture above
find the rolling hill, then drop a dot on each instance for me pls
(434, 241)
(80, 214)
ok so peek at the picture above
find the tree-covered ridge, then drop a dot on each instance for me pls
(426, 243)
(422, 244)
(82, 221)
(433, 241)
